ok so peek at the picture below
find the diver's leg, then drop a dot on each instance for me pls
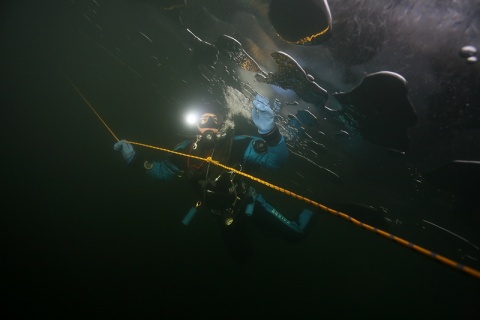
(303, 219)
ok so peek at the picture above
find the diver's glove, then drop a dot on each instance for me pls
(262, 115)
(127, 150)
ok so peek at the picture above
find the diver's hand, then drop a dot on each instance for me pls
(127, 150)
(262, 115)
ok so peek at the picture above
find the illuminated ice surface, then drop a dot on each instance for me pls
(380, 114)
(367, 113)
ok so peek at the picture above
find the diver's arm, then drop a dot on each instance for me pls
(273, 137)
(163, 170)
(270, 151)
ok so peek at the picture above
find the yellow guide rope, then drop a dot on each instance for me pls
(473, 272)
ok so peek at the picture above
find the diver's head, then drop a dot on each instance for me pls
(209, 116)
(208, 122)
(208, 119)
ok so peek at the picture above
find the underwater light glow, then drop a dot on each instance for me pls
(191, 118)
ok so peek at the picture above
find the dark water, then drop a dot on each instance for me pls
(84, 237)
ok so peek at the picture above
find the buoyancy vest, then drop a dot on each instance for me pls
(221, 191)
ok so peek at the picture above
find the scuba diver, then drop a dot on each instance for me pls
(224, 193)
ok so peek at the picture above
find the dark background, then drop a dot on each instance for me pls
(84, 237)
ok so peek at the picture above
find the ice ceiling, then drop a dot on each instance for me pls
(379, 103)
